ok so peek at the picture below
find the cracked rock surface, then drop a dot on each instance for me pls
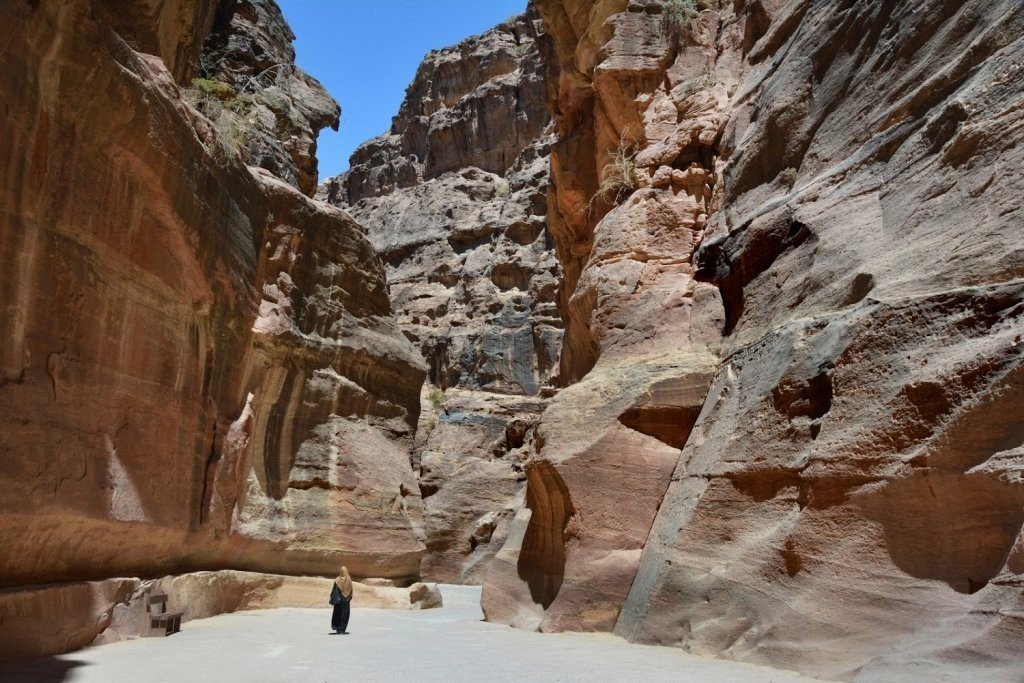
(454, 197)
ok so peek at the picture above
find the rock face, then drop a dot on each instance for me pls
(721, 306)
(267, 108)
(817, 206)
(56, 619)
(454, 197)
(642, 332)
(199, 367)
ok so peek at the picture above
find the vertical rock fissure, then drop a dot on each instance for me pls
(542, 558)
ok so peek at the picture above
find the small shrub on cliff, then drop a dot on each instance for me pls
(214, 88)
(676, 16)
(436, 396)
(788, 176)
(232, 132)
(226, 111)
(617, 176)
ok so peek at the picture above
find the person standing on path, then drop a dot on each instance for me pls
(341, 596)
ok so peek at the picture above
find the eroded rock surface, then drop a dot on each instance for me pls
(767, 256)
(268, 109)
(641, 335)
(832, 191)
(199, 364)
(454, 197)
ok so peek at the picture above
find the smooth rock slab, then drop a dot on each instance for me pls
(450, 644)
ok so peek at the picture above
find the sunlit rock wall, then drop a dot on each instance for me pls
(454, 197)
(834, 190)
(199, 364)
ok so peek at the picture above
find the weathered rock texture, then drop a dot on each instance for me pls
(835, 190)
(770, 254)
(266, 107)
(199, 367)
(454, 196)
(48, 620)
(640, 344)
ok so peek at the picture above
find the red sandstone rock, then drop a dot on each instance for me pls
(49, 620)
(781, 240)
(199, 366)
(641, 335)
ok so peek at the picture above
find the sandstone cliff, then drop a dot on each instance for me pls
(790, 240)
(199, 364)
(454, 197)
(720, 304)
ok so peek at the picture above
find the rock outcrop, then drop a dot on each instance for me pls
(454, 197)
(641, 330)
(816, 205)
(265, 107)
(720, 304)
(200, 369)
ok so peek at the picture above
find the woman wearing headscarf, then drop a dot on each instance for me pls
(341, 596)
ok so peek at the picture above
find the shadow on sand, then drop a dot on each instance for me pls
(45, 670)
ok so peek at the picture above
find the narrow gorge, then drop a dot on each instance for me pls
(694, 322)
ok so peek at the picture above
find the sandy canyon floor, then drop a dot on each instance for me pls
(450, 644)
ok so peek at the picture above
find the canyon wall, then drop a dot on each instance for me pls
(454, 197)
(718, 304)
(199, 364)
(790, 239)
(642, 332)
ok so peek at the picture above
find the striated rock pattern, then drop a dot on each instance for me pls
(199, 366)
(831, 192)
(720, 304)
(454, 197)
(174, 30)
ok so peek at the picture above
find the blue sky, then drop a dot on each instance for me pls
(366, 53)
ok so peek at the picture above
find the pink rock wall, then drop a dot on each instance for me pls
(844, 177)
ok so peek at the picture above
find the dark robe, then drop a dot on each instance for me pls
(339, 619)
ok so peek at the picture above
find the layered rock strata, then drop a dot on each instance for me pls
(454, 197)
(199, 365)
(844, 179)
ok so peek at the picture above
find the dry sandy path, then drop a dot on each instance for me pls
(450, 644)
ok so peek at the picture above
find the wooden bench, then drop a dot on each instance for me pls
(161, 622)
